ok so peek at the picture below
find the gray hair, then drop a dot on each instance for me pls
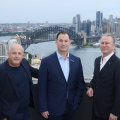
(109, 35)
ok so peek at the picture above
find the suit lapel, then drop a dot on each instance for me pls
(108, 64)
(71, 64)
(25, 68)
(98, 65)
(57, 64)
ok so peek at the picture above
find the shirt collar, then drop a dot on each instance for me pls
(108, 57)
(59, 56)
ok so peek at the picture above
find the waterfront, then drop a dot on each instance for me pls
(87, 55)
(2, 38)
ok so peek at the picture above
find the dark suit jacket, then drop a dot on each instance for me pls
(54, 91)
(9, 98)
(106, 86)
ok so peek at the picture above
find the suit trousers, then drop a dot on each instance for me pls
(94, 117)
(25, 115)
(67, 115)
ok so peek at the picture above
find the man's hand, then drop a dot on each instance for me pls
(45, 114)
(90, 92)
(112, 117)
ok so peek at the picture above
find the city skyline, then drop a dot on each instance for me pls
(53, 11)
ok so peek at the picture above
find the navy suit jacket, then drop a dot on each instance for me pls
(9, 98)
(54, 91)
(106, 86)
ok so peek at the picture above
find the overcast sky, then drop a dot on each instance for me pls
(55, 11)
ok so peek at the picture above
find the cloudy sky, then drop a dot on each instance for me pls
(55, 11)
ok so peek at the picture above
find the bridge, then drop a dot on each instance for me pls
(93, 39)
(46, 34)
(49, 34)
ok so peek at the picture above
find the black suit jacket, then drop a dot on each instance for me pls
(106, 86)
(9, 98)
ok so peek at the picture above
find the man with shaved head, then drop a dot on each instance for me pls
(16, 87)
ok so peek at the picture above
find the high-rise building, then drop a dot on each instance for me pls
(88, 27)
(99, 23)
(84, 26)
(93, 28)
(106, 26)
(77, 23)
(117, 28)
(74, 20)
(74, 24)
(112, 24)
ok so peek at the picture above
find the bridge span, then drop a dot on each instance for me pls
(46, 34)
(49, 34)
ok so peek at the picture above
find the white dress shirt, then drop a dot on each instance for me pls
(104, 60)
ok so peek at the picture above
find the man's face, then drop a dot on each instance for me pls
(63, 42)
(106, 45)
(15, 56)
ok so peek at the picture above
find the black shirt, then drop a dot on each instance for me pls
(21, 79)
